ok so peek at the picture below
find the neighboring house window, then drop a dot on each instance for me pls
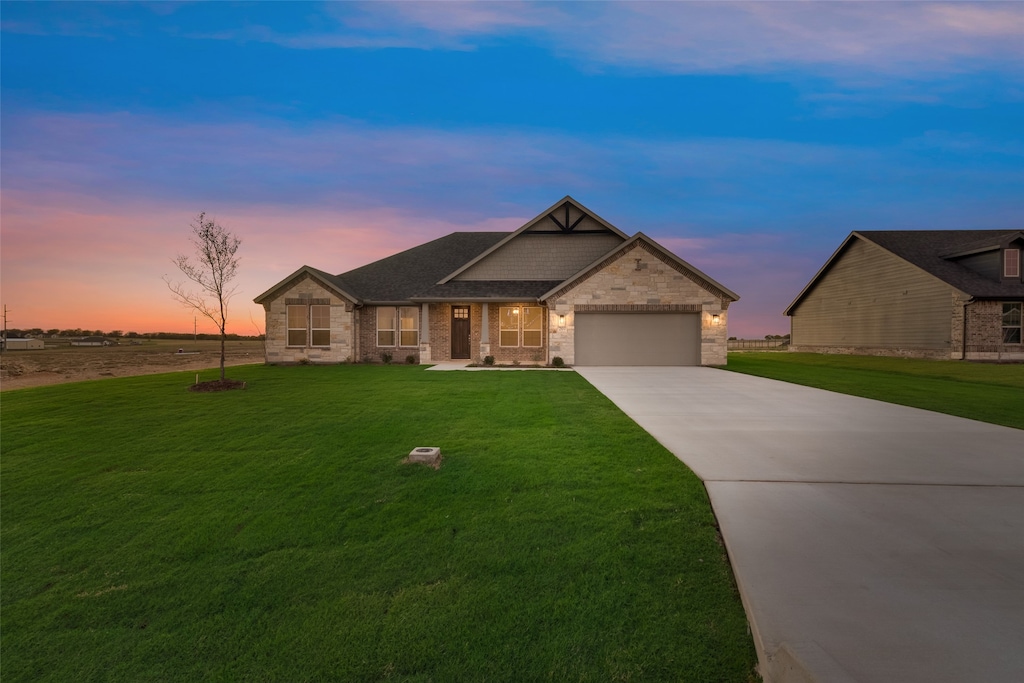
(386, 326)
(521, 326)
(409, 330)
(297, 323)
(320, 325)
(1011, 323)
(1011, 263)
(508, 332)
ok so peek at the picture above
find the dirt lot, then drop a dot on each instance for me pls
(56, 365)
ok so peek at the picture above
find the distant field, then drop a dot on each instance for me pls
(65, 363)
(272, 534)
(980, 391)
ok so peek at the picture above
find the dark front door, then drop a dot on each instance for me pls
(460, 332)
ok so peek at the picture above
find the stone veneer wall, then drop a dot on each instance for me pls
(342, 333)
(648, 282)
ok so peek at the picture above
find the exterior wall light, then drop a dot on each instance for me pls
(715, 318)
(561, 321)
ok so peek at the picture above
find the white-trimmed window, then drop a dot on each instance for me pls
(320, 325)
(508, 326)
(1011, 263)
(409, 326)
(1012, 323)
(533, 326)
(297, 325)
(386, 325)
(521, 326)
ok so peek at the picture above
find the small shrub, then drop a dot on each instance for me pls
(386, 358)
(558, 362)
(410, 359)
(305, 361)
(515, 362)
(488, 360)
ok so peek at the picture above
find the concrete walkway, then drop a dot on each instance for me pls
(870, 542)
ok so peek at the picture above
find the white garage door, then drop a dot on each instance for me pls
(637, 338)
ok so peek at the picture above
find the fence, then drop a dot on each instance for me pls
(753, 344)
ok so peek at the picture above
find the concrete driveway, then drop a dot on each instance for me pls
(870, 542)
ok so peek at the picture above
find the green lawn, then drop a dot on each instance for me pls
(271, 534)
(987, 392)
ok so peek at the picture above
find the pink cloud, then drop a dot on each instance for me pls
(73, 261)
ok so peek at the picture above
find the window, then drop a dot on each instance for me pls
(525, 323)
(386, 326)
(409, 332)
(508, 326)
(533, 320)
(1011, 263)
(320, 325)
(297, 325)
(309, 325)
(1011, 323)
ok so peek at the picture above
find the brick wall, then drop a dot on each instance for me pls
(308, 289)
(369, 352)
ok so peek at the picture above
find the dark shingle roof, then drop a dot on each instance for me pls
(488, 289)
(408, 273)
(926, 249)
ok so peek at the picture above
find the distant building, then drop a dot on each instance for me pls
(22, 344)
(91, 341)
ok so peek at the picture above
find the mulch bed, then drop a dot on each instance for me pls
(218, 385)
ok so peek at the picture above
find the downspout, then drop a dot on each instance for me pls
(357, 333)
(963, 334)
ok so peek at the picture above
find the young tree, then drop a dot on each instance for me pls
(211, 272)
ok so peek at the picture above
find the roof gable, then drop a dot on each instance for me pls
(563, 219)
(641, 240)
(326, 280)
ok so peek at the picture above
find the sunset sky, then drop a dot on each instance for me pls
(750, 139)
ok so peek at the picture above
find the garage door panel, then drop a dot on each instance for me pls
(637, 338)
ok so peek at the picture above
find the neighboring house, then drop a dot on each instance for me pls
(22, 344)
(567, 284)
(91, 341)
(923, 293)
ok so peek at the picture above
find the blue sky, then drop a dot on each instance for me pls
(749, 138)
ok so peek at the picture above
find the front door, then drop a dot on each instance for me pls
(460, 332)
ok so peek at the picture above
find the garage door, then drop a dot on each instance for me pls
(637, 338)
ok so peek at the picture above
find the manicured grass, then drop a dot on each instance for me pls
(987, 392)
(272, 534)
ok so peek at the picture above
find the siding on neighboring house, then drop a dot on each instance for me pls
(871, 299)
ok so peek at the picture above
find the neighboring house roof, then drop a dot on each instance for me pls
(935, 252)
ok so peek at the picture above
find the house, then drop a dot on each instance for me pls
(91, 341)
(567, 284)
(923, 293)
